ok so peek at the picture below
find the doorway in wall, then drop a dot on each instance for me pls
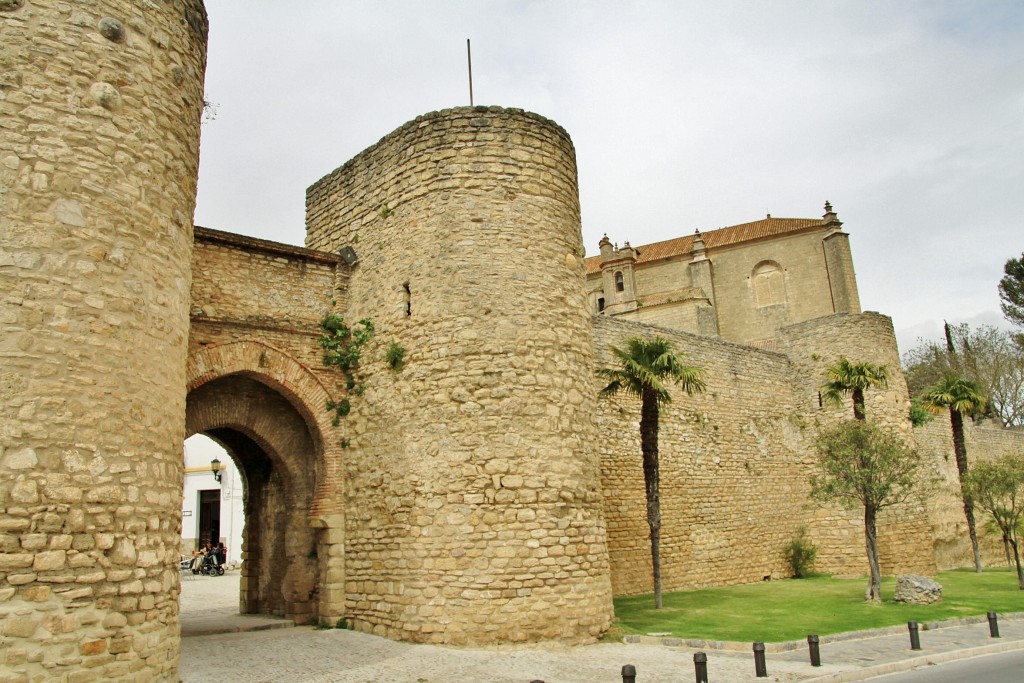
(209, 517)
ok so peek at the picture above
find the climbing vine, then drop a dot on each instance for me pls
(343, 346)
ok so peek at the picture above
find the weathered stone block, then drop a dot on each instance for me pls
(20, 627)
(917, 590)
(9, 561)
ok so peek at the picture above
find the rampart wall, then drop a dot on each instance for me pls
(949, 525)
(735, 466)
(248, 281)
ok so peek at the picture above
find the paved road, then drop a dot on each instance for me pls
(1007, 667)
(305, 655)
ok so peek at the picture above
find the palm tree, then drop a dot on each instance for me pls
(646, 369)
(961, 397)
(846, 378)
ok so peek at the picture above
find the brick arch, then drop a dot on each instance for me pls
(297, 383)
(266, 408)
(267, 364)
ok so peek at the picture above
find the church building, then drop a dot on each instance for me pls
(741, 283)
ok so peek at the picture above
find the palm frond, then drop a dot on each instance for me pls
(954, 393)
(650, 364)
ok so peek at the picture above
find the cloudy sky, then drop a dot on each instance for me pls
(907, 116)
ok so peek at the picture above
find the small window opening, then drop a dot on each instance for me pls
(408, 299)
(620, 284)
(600, 305)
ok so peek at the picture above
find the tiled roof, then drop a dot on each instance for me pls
(723, 237)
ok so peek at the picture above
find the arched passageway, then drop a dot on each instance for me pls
(277, 455)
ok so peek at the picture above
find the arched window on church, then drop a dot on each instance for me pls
(620, 284)
(769, 284)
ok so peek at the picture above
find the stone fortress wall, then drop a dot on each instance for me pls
(736, 462)
(477, 494)
(952, 545)
(100, 105)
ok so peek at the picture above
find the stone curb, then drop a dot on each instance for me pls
(790, 645)
(236, 625)
(867, 672)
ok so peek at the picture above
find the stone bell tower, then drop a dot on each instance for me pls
(100, 104)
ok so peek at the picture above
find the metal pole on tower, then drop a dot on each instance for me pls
(469, 61)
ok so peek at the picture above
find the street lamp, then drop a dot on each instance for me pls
(215, 468)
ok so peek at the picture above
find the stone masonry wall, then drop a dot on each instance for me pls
(735, 465)
(473, 505)
(252, 281)
(904, 532)
(99, 134)
(984, 442)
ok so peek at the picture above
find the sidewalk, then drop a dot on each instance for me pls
(307, 655)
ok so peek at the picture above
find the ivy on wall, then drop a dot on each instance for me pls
(343, 346)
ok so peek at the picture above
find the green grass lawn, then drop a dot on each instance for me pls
(776, 611)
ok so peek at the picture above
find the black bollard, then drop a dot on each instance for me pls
(993, 625)
(628, 674)
(700, 664)
(915, 640)
(760, 668)
(812, 645)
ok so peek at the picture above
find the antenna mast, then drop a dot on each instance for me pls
(469, 61)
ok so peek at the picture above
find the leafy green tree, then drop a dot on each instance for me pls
(986, 355)
(998, 488)
(861, 465)
(1011, 290)
(647, 368)
(961, 397)
(991, 527)
(851, 379)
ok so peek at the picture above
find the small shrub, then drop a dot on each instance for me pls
(342, 623)
(395, 356)
(800, 553)
(919, 415)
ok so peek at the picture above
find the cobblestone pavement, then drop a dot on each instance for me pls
(307, 655)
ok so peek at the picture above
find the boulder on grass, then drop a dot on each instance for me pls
(917, 590)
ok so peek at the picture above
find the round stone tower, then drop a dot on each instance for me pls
(473, 507)
(100, 104)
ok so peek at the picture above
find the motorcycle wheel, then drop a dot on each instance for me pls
(220, 571)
